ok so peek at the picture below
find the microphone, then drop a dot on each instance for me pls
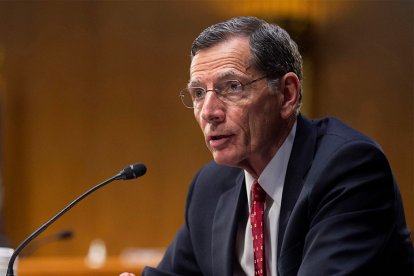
(130, 172)
(58, 236)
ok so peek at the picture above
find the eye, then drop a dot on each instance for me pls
(233, 87)
(197, 92)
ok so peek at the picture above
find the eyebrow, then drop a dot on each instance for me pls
(194, 83)
(226, 75)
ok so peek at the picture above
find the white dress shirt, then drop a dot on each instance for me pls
(272, 180)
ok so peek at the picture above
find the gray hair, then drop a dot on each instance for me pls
(274, 52)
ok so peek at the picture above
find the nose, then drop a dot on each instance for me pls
(213, 109)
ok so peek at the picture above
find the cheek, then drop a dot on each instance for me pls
(247, 126)
(198, 118)
(261, 121)
(255, 130)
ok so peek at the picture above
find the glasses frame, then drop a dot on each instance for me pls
(219, 94)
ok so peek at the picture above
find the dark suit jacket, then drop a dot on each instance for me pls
(341, 212)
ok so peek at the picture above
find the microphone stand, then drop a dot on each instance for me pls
(58, 236)
(10, 271)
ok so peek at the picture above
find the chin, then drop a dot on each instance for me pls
(225, 160)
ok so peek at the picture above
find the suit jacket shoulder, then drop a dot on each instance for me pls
(339, 191)
(205, 244)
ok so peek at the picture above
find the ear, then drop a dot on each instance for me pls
(289, 88)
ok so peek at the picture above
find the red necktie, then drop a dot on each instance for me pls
(257, 223)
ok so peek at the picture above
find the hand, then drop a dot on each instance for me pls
(127, 274)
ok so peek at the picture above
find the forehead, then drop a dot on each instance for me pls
(228, 58)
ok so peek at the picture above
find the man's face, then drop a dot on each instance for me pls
(243, 133)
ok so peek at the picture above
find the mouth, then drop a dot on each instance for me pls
(218, 137)
(215, 137)
(218, 141)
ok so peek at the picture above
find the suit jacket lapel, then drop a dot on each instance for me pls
(226, 218)
(299, 163)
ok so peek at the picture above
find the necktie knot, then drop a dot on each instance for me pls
(258, 193)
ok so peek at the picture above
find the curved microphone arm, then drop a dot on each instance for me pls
(36, 244)
(130, 172)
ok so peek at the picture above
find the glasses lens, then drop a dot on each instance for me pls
(186, 98)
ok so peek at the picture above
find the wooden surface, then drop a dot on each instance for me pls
(78, 266)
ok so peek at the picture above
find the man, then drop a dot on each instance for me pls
(284, 195)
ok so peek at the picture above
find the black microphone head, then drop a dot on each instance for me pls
(133, 171)
(65, 234)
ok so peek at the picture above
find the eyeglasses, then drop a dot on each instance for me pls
(227, 91)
